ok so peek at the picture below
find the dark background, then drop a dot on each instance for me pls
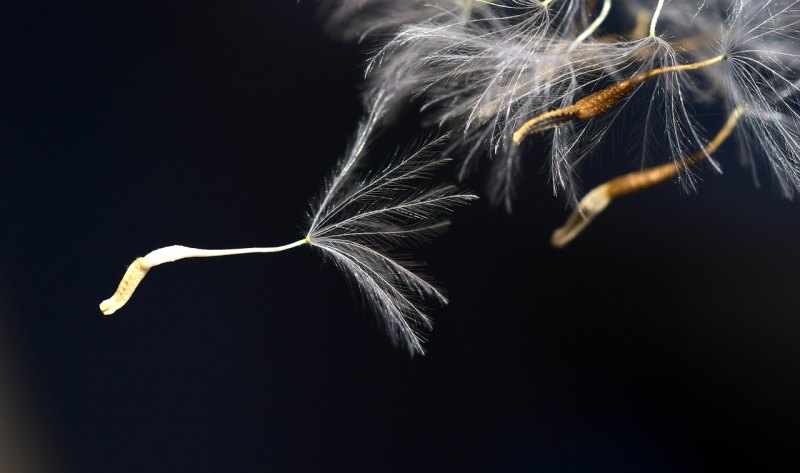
(664, 339)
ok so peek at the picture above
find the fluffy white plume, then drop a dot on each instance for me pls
(762, 76)
(484, 81)
(361, 223)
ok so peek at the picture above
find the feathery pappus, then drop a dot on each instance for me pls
(572, 76)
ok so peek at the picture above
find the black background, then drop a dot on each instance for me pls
(664, 339)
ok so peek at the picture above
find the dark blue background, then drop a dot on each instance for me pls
(664, 339)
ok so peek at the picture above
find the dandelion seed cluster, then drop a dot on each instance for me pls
(573, 75)
(494, 76)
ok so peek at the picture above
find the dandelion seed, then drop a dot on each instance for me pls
(599, 198)
(602, 101)
(360, 225)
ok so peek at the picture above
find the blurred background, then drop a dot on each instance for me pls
(664, 339)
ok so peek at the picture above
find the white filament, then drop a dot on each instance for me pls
(654, 21)
(139, 268)
(595, 24)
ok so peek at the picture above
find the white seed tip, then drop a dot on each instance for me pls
(109, 306)
(133, 276)
(592, 205)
